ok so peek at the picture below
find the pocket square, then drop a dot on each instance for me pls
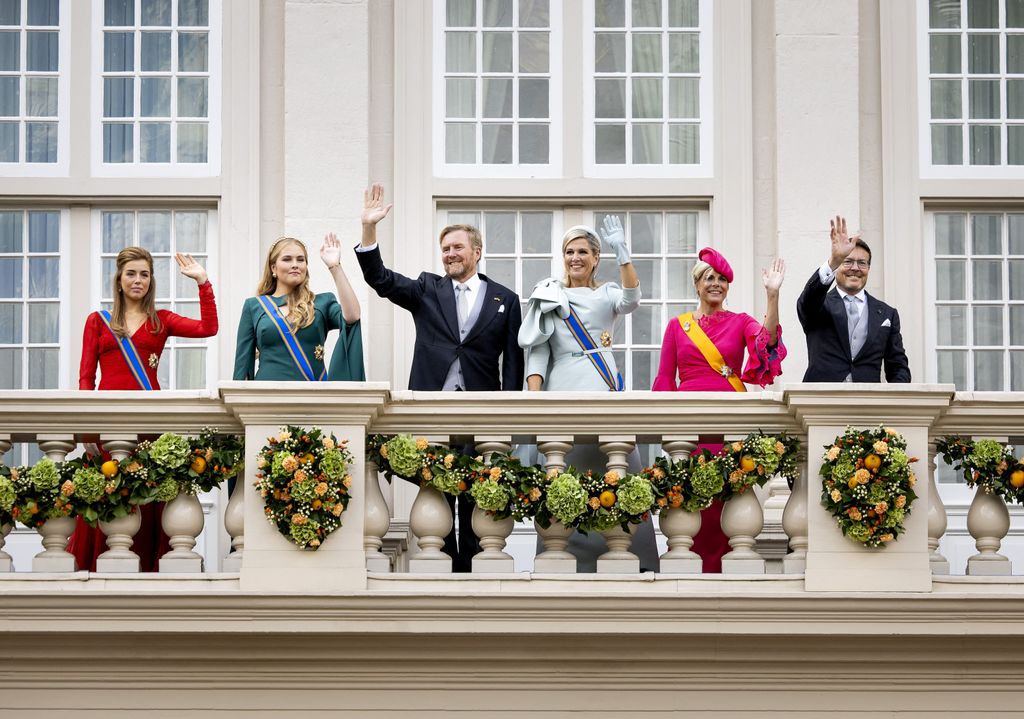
(887, 323)
(501, 309)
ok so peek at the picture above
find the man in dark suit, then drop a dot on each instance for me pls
(467, 328)
(850, 334)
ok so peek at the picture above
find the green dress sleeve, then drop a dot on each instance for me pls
(347, 358)
(245, 344)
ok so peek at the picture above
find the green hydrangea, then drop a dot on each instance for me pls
(7, 494)
(277, 463)
(303, 534)
(706, 479)
(566, 499)
(604, 520)
(45, 475)
(858, 532)
(636, 495)
(332, 464)
(166, 490)
(490, 496)
(170, 450)
(894, 517)
(843, 469)
(402, 456)
(89, 484)
(898, 461)
(447, 482)
(304, 491)
(987, 453)
(877, 493)
(765, 454)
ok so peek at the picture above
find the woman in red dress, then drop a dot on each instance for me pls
(134, 315)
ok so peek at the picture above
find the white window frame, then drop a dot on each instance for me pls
(1001, 171)
(555, 117)
(97, 291)
(21, 168)
(63, 294)
(210, 168)
(706, 167)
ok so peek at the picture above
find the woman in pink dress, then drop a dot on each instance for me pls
(703, 352)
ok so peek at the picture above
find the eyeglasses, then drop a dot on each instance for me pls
(860, 264)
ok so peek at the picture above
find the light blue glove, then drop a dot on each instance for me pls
(613, 234)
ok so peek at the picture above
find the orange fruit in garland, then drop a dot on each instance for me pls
(873, 462)
(747, 463)
(607, 498)
(1017, 478)
(110, 468)
(198, 465)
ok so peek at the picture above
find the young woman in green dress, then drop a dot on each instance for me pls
(285, 326)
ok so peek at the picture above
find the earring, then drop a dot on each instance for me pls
(274, 276)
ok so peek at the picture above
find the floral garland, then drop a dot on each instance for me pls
(507, 488)
(38, 494)
(867, 484)
(689, 485)
(985, 463)
(8, 494)
(756, 459)
(304, 481)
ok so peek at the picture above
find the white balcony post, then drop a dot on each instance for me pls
(988, 521)
(182, 522)
(120, 532)
(794, 518)
(679, 526)
(55, 532)
(431, 519)
(377, 520)
(742, 521)
(936, 517)
(234, 525)
(6, 562)
(618, 559)
(493, 533)
(554, 559)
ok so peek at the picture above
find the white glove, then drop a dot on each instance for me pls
(613, 234)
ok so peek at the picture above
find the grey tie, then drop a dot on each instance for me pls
(853, 324)
(462, 306)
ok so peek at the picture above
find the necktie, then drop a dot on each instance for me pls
(853, 324)
(462, 305)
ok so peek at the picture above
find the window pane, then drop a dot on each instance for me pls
(610, 141)
(43, 231)
(645, 369)
(535, 270)
(986, 234)
(155, 142)
(982, 13)
(987, 277)
(647, 144)
(10, 369)
(117, 142)
(610, 98)
(497, 97)
(10, 94)
(1014, 13)
(1016, 371)
(155, 97)
(534, 144)
(10, 12)
(118, 12)
(943, 13)
(988, 370)
(645, 232)
(190, 232)
(10, 323)
(533, 98)
(1017, 324)
(10, 231)
(460, 13)
(684, 52)
(193, 51)
(42, 51)
(951, 324)
(947, 145)
(683, 13)
(8, 142)
(156, 52)
(41, 142)
(534, 52)
(610, 52)
(646, 52)
(680, 278)
(192, 97)
(1015, 99)
(984, 99)
(684, 98)
(610, 13)
(117, 230)
(1015, 231)
(1015, 53)
(949, 234)
(497, 52)
(190, 368)
(118, 52)
(944, 51)
(681, 232)
(684, 144)
(647, 98)
(646, 323)
(460, 143)
(193, 12)
(460, 52)
(946, 99)
(44, 12)
(988, 326)
(950, 280)
(1016, 269)
(503, 272)
(186, 288)
(984, 144)
(43, 277)
(953, 367)
(497, 13)
(649, 272)
(10, 277)
(155, 231)
(156, 12)
(982, 54)
(192, 142)
(10, 49)
(1015, 145)
(43, 322)
(536, 232)
(118, 97)
(646, 13)
(41, 96)
(500, 228)
(534, 13)
(460, 97)
(497, 144)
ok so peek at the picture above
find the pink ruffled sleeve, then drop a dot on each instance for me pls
(669, 366)
(764, 363)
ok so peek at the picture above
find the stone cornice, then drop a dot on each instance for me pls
(274, 403)
(863, 403)
(983, 413)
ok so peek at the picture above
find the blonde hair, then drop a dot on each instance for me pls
(130, 254)
(474, 235)
(699, 270)
(301, 299)
(578, 232)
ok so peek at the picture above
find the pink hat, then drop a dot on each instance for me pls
(717, 262)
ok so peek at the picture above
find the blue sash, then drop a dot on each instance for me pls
(290, 341)
(592, 351)
(130, 353)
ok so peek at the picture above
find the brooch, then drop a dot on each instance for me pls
(318, 352)
(154, 360)
(686, 327)
(726, 371)
(606, 339)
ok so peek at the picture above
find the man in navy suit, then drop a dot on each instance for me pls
(467, 327)
(850, 334)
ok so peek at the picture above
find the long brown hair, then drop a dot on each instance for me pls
(301, 299)
(130, 254)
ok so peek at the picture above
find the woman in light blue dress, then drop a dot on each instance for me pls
(567, 334)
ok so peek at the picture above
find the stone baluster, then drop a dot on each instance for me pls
(678, 525)
(554, 559)
(183, 522)
(742, 521)
(618, 559)
(794, 518)
(234, 525)
(430, 519)
(55, 532)
(988, 521)
(936, 517)
(120, 532)
(6, 562)
(376, 521)
(493, 533)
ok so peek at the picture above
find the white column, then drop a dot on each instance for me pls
(618, 559)
(234, 525)
(794, 518)
(679, 526)
(936, 517)
(988, 521)
(55, 532)
(120, 532)
(182, 521)
(742, 521)
(554, 559)
(493, 533)
(431, 520)
(376, 521)
(6, 562)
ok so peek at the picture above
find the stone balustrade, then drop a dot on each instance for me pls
(364, 553)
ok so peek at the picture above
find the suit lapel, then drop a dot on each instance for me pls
(446, 298)
(838, 312)
(491, 302)
(875, 320)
